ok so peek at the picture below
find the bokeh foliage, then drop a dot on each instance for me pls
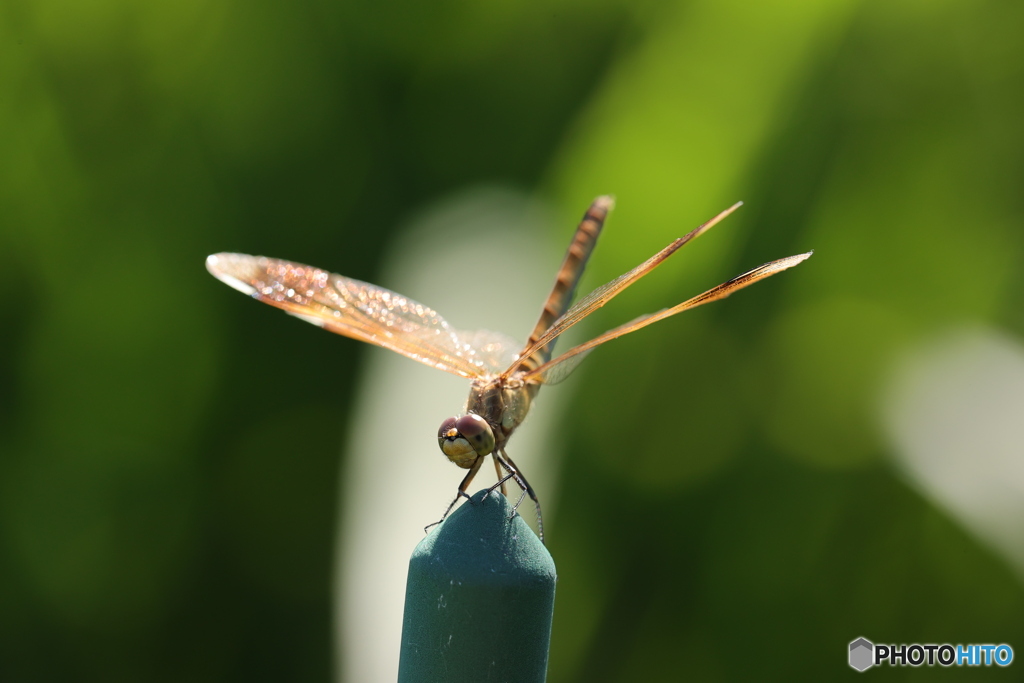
(168, 456)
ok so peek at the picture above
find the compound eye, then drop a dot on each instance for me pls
(464, 439)
(446, 429)
(477, 432)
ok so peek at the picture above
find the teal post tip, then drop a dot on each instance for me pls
(479, 599)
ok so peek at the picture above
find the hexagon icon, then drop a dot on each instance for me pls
(862, 653)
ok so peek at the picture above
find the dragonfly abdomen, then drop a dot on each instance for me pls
(568, 277)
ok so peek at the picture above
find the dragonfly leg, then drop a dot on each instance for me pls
(517, 475)
(501, 464)
(460, 494)
(501, 478)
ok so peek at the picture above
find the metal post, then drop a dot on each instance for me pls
(479, 599)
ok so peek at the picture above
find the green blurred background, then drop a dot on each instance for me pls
(744, 490)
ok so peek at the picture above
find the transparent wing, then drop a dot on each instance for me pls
(365, 312)
(606, 292)
(556, 370)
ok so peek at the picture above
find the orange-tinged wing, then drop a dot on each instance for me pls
(558, 369)
(606, 292)
(365, 312)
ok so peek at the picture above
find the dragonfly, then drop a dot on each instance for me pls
(504, 382)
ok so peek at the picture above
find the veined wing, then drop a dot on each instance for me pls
(365, 312)
(558, 369)
(606, 292)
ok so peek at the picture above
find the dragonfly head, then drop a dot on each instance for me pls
(465, 438)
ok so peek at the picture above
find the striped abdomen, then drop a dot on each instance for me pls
(569, 275)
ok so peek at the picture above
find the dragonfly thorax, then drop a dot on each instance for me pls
(503, 402)
(494, 409)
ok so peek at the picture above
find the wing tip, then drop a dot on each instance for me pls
(707, 225)
(219, 266)
(786, 263)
